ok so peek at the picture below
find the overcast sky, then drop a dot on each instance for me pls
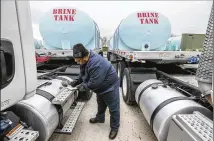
(185, 16)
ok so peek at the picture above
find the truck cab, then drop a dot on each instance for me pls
(18, 65)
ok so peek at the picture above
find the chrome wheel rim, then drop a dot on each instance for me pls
(124, 86)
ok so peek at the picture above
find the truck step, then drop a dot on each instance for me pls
(63, 96)
(25, 135)
(192, 127)
(70, 123)
(14, 131)
(199, 124)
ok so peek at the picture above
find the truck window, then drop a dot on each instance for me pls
(7, 62)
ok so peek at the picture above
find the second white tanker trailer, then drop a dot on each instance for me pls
(158, 79)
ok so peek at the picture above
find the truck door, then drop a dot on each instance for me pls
(12, 68)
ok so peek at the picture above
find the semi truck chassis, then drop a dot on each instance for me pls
(46, 72)
(172, 68)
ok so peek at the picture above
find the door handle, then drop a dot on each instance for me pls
(3, 69)
(7, 62)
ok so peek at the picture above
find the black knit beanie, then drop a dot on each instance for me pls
(79, 51)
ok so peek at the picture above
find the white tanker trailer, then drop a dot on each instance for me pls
(63, 27)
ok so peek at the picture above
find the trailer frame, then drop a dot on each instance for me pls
(155, 56)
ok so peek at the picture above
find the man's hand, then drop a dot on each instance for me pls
(81, 88)
(74, 83)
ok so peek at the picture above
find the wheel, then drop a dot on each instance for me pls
(127, 87)
(85, 96)
(121, 67)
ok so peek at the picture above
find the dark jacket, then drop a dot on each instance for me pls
(98, 74)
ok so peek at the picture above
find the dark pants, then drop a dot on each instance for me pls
(112, 101)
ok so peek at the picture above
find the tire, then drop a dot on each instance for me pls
(127, 87)
(120, 70)
(85, 96)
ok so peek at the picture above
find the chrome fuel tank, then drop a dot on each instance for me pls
(159, 103)
(39, 112)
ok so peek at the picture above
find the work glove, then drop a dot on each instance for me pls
(64, 83)
(74, 83)
(81, 88)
